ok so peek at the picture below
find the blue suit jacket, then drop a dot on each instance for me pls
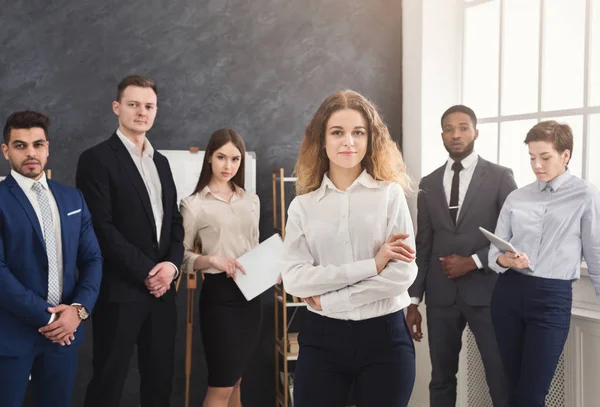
(24, 264)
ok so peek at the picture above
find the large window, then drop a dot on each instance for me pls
(525, 61)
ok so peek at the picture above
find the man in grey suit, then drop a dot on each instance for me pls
(454, 200)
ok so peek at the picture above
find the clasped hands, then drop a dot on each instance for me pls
(455, 266)
(160, 278)
(393, 249)
(62, 329)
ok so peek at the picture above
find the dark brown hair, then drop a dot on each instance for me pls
(383, 160)
(460, 109)
(218, 139)
(25, 120)
(559, 134)
(135, 80)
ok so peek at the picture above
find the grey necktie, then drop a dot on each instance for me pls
(46, 211)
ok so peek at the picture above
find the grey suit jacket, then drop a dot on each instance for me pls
(438, 236)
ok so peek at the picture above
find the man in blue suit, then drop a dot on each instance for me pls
(50, 271)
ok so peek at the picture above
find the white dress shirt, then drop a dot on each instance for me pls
(465, 176)
(331, 240)
(26, 185)
(144, 162)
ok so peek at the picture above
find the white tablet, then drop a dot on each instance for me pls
(500, 244)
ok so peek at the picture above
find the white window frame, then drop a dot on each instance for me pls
(586, 111)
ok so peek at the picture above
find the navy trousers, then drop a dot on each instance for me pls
(52, 368)
(377, 355)
(531, 317)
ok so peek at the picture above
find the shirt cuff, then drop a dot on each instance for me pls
(79, 305)
(360, 271)
(478, 262)
(191, 260)
(415, 300)
(176, 270)
(52, 318)
(496, 267)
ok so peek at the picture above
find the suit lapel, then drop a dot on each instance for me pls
(20, 196)
(439, 196)
(62, 207)
(478, 177)
(129, 168)
(163, 175)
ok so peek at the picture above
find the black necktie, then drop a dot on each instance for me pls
(457, 168)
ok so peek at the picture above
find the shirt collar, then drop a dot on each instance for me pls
(466, 162)
(365, 179)
(556, 183)
(27, 183)
(133, 149)
(206, 191)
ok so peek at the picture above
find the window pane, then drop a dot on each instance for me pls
(481, 53)
(593, 148)
(576, 123)
(595, 55)
(563, 54)
(487, 142)
(520, 56)
(513, 153)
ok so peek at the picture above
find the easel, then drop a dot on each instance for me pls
(189, 325)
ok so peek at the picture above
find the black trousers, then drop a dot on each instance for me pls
(117, 329)
(377, 355)
(446, 326)
(531, 316)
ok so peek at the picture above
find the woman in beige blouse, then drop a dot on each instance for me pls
(223, 218)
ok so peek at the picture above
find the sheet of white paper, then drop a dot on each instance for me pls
(262, 265)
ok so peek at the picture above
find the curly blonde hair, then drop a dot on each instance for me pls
(383, 160)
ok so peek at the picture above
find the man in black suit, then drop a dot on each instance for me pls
(454, 200)
(131, 194)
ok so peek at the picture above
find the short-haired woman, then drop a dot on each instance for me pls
(552, 221)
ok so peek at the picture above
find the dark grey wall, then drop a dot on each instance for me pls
(259, 66)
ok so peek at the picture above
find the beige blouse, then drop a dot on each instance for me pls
(223, 228)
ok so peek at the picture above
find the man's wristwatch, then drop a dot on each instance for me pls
(82, 312)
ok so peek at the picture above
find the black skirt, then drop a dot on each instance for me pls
(231, 328)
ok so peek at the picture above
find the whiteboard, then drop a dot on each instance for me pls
(187, 166)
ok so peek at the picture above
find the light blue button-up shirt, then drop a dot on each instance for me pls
(554, 223)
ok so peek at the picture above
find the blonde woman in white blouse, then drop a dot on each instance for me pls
(223, 218)
(347, 255)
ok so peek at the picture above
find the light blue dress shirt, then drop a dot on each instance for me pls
(554, 223)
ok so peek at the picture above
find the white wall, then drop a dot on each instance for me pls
(432, 44)
(432, 56)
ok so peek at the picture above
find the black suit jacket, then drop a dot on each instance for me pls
(123, 219)
(438, 236)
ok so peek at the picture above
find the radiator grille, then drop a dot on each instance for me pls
(477, 390)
